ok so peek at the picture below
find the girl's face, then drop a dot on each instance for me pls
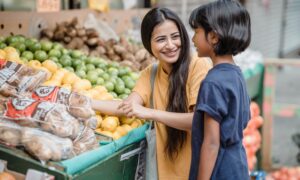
(166, 42)
(202, 44)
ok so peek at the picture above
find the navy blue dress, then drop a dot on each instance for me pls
(223, 95)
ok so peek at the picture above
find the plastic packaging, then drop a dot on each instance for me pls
(86, 141)
(46, 146)
(51, 117)
(78, 105)
(10, 133)
(17, 79)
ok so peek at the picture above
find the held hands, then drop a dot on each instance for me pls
(131, 109)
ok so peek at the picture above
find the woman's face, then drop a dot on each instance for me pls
(166, 42)
(200, 42)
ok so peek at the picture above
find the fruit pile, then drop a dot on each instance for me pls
(87, 40)
(109, 125)
(118, 80)
(285, 173)
(252, 136)
(117, 127)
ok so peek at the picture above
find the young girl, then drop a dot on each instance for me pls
(175, 92)
(222, 29)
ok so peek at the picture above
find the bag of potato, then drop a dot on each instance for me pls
(17, 79)
(78, 105)
(10, 133)
(85, 141)
(51, 117)
(46, 146)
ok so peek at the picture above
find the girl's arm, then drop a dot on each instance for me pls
(110, 107)
(210, 148)
(182, 121)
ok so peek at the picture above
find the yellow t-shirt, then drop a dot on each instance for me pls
(179, 168)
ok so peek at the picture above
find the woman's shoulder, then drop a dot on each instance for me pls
(200, 64)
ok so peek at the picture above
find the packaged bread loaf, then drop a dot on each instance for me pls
(10, 133)
(78, 105)
(46, 146)
(18, 80)
(51, 117)
(85, 141)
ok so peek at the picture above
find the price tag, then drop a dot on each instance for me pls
(48, 5)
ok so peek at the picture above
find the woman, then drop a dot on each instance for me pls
(175, 92)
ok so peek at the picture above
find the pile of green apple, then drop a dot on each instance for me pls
(118, 80)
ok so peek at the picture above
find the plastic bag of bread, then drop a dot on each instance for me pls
(46, 146)
(51, 117)
(17, 79)
(10, 133)
(78, 105)
(85, 141)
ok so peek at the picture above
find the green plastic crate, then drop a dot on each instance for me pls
(120, 165)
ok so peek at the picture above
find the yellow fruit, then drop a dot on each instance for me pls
(116, 135)
(85, 93)
(50, 65)
(34, 63)
(12, 56)
(49, 74)
(2, 54)
(127, 127)
(127, 120)
(100, 89)
(122, 130)
(93, 92)
(51, 83)
(9, 49)
(106, 133)
(99, 120)
(59, 75)
(106, 96)
(110, 123)
(67, 86)
(70, 78)
(136, 123)
(82, 84)
(98, 113)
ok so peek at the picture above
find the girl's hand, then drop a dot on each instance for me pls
(131, 109)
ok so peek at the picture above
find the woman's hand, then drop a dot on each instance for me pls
(132, 109)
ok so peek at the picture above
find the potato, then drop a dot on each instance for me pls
(11, 136)
(119, 49)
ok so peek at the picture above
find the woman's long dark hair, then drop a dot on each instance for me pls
(177, 101)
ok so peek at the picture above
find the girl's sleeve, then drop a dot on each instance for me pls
(142, 86)
(212, 100)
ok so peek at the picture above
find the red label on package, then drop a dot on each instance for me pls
(20, 108)
(46, 93)
(2, 63)
(52, 94)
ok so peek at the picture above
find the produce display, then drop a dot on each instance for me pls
(17, 79)
(252, 136)
(288, 173)
(78, 105)
(87, 40)
(10, 133)
(118, 80)
(46, 146)
(115, 127)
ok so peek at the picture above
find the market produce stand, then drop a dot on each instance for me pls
(271, 108)
(115, 160)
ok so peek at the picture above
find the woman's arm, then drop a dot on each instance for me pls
(210, 148)
(182, 121)
(111, 107)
